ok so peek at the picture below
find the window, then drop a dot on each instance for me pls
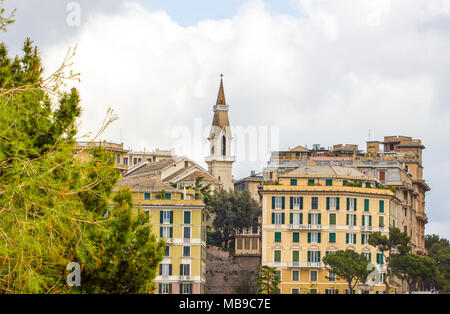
(147, 196)
(351, 204)
(347, 291)
(329, 182)
(295, 275)
(166, 217)
(315, 203)
(365, 238)
(118, 159)
(381, 221)
(278, 218)
(295, 257)
(332, 219)
(187, 232)
(331, 291)
(368, 256)
(351, 220)
(313, 275)
(293, 181)
(125, 161)
(187, 217)
(277, 256)
(296, 202)
(380, 258)
(168, 196)
(333, 203)
(314, 219)
(406, 212)
(296, 237)
(350, 238)
(185, 288)
(186, 251)
(165, 269)
(165, 288)
(366, 221)
(277, 237)
(381, 206)
(295, 291)
(166, 250)
(166, 232)
(314, 237)
(224, 146)
(277, 202)
(185, 269)
(247, 244)
(313, 256)
(332, 237)
(296, 219)
(311, 182)
(331, 276)
(366, 205)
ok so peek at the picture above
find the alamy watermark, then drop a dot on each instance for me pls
(74, 17)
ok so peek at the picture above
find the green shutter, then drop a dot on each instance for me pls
(354, 238)
(309, 239)
(295, 256)
(296, 237)
(381, 206)
(309, 256)
(171, 217)
(320, 219)
(366, 205)
(337, 203)
(328, 203)
(273, 218)
(273, 202)
(347, 237)
(370, 221)
(291, 202)
(348, 203)
(356, 204)
(354, 220)
(161, 216)
(291, 218)
(282, 202)
(277, 236)
(332, 219)
(348, 216)
(319, 237)
(301, 202)
(282, 218)
(309, 219)
(171, 232)
(160, 232)
(301, 219)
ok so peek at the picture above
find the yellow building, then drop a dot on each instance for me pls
(117, 151)
(180, 219)
(314, 210)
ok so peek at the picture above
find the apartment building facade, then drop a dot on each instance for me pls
(178, 218)
(312, 211)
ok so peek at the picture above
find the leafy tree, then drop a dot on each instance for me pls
(267, 281)
(439, 249)
(233, 211)
(415, 269)
(349, 266)
(397, 242)
(52, 204)
(203, 191)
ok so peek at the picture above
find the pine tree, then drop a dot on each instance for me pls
(52, 204)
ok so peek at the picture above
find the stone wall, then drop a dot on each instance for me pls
(228, 275)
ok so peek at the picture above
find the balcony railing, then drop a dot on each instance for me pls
(306, 264)
(185, 277)
(366, 228)
(314, 227)
(297, 227)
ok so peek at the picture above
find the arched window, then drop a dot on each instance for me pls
(224, 145)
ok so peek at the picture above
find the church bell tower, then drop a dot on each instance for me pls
(220, 162)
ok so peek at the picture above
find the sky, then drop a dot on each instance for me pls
(299, 72)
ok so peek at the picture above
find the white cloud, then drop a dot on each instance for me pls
(328, 77)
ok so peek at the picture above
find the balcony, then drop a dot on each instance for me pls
(297, 227)
(306, 265)
(185, 278)
(187, 240)
(314, 227)
(366, 228)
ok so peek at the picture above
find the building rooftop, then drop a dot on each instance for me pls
(326, 171)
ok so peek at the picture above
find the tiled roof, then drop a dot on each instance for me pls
(326, 171)
(150, 167)
(145, 184)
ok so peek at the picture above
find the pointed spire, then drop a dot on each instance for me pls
(221, 97)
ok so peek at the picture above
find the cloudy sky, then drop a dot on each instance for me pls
(309, 71)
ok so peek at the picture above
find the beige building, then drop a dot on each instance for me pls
(118, 152)
(398, 164)
(313, 211)
(220, 161)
